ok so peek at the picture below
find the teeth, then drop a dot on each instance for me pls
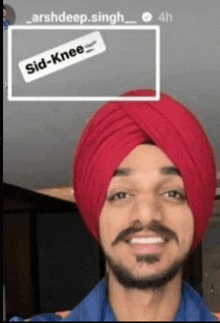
(149, 240)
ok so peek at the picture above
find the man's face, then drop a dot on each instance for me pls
(4, 13)
(146, 226)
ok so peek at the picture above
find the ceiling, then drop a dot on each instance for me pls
(40, 136)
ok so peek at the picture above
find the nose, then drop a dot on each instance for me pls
(146, 209)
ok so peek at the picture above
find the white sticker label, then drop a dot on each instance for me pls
(62, 56)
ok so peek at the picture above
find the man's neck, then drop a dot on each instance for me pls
(159, 304)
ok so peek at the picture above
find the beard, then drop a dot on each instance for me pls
(125, 277)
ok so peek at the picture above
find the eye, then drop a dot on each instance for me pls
(176, 195)
(118, 196)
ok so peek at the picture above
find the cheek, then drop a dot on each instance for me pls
(110, 225)
(188, 223)
(106, 226)
(184, 226)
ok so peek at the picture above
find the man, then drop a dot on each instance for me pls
(144, 183)
(6, 22)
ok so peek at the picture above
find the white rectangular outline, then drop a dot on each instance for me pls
(86, 98)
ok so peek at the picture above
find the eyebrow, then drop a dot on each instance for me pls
(166, 170)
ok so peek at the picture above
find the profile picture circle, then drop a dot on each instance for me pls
(8, 16)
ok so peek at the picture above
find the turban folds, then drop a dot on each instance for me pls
(116, 128)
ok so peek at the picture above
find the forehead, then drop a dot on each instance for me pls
(145, 160)
(146, 156)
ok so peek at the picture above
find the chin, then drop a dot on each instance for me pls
(145, 279)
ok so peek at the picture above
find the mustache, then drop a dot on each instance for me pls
(154, 226)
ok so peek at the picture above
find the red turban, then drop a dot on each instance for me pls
(117, 128)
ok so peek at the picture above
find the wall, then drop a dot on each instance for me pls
(40, 137)
(50, 261)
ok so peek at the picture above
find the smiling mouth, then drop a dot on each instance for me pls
(146, 240)
(138, 248)
(148, 244)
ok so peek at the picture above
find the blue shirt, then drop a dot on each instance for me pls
(6, 23)
(95, 307)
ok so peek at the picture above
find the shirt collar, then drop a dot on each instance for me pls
(95, 306)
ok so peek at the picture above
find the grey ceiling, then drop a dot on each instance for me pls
(40, 137)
